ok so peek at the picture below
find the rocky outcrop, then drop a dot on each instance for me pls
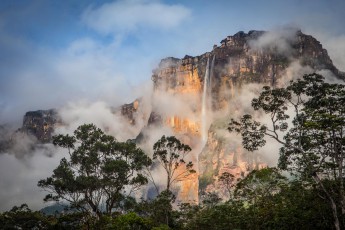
(129, 111)
(40, 124)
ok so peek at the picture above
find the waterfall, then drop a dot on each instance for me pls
(204, 104)
(211, 76)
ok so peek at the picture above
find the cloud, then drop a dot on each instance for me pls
(278, 39)
(100, 114)
(85, 69)
(19, 178)
(129, 15)
(336, 48)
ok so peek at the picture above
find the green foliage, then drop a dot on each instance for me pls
(262, 184)
(170, 153)
(288, 205)
(295, 205)
(73, 220)
(313, 147)
(131, 221)
(160, 209)
(252, 132)
(228, 181)
(211, 199)
(23, 217)
(98, 172)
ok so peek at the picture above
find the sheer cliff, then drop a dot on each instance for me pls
(258, 57)
(194, 97)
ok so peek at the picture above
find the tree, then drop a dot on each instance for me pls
(98, 172)
(313, 148)
(23, 217)
(170, 153)
(228, 181)
(260, 184)
(159, 210)
(130, 221)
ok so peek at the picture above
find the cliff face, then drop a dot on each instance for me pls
(253, 57)
(224, 153)
(129, 111)
(240, 59)
(208, 84)
(40, 124)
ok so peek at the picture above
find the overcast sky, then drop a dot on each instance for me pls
(53, 52)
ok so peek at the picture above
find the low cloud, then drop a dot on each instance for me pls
(129, 15)
(100, 114)
(19, 178)
(277, 40)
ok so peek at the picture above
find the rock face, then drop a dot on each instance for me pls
(40, 124)
(129, 111)
(240, 59)
(253, 57)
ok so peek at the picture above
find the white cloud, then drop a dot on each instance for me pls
(125, 16)
(19, 178)
(278, 39)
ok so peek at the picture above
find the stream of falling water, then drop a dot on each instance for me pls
(204, 104)
(211, 77)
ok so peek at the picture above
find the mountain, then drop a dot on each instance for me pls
(195, 97)
(259, 57)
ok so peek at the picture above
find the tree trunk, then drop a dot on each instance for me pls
(168, 183)
(333, 204)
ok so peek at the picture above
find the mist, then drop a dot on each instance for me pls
(86, 61)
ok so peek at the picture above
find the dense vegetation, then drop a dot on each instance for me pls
(305, 190)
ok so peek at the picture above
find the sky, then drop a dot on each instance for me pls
(55, 53)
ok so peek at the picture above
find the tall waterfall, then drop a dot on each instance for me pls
(204, 108)
(211, 76)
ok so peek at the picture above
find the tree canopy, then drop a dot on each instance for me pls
(99, 173)
(170, 152)
(313, 144)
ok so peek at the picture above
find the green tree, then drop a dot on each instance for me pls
(159, 210)
(23, 217)
(259, 184)
(228, 181)
(313, 147)
(170, 153)
(98, 172)
(130, 221)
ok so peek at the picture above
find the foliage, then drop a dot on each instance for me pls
(295, 205)
(211, 199)
(23, 217)
(160, 209)
(98, 173)
(313, 147)
(228, 181)
(131, 221)
(170, 153)
(262, 184)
